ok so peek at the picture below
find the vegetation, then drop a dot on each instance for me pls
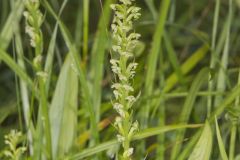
(119, 79)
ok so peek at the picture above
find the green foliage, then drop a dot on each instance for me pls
(168, 87)
(203, 148)
(220, 142)
(63, 110)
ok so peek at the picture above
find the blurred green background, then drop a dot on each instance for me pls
(189, 26)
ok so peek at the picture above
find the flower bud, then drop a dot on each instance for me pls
(128, 153)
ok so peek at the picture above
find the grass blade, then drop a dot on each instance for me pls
(152, 8)
(50, 51)
(235, 92)
(143, 134)
(24, 90)
(153, 57)
(79, 26)
(63, 108)
(173, 58)
(234, 127)
(98, 56)
(81, 75)
(188, 148)
(188, 65)
(203, 148)
(220, 142)
(187, 108)
(15, 67)
(8, 29)
(213, 54)
(160, 105)
(221, 79)
(85, 28)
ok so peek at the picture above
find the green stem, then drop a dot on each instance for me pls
(126, 143)
(212, 61)
(232, 142)
(43, 98)
(45, 114)
(152, 61)
(85, 29)
(234, 128)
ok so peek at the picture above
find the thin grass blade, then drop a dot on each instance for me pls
(203, 148)
(220, 142)
(187, 108)
(143, 134)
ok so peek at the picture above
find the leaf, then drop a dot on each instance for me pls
(151, 7)
(7, 110)
(219, 109)
(189, 146)
(220, 142)
(81, 75)
(198, 82)
(63, 115)
(50, 52)
(141, 135)
(202, 150)
(153, 60)
(187, 66)
(222, 75)
(172, 56)
(97, 58)
(15, 68)
(8, 29)
(226, 102)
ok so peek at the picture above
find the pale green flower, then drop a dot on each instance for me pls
(14, 152)
(125, 41)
